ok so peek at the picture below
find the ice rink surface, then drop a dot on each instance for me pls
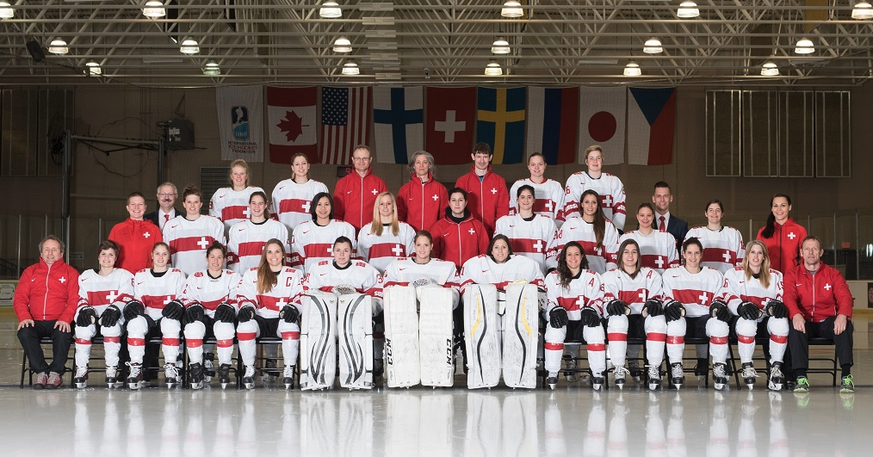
(572, 420)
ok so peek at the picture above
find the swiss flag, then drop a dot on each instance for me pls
(292, 123)
(451, 118)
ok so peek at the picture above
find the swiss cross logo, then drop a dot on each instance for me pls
(607, 201)
(791, 235)
(146, 235)
(435, 197)
(374, 191)
(827, 287)
(62, 280)
(472, 231)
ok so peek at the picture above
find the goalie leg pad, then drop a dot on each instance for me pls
(401, 337)
(355, 330)
(520, 336)
(318, 341)
(482, 336)
(435, 332)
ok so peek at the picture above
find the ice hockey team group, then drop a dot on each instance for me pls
(403, 286)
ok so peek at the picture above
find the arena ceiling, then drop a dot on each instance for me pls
(555, 42)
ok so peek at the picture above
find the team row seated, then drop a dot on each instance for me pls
(634, 300)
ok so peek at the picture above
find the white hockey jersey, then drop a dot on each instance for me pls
(403, 271)
(156, 291)
(288, 290)
(657, 249)
(482, 270)
(695, 291)
(231, 206)
(738, 288)
(608, 187)
(209, 291)
(312, 243)
(617, 284)
(188, 241)
(324, 276)
(585, 291)
(600, 259)
(549, 196)
(380, 251)
(533, 238)
(722, 250)
(101, 291)
(291, 201)
(246, 240)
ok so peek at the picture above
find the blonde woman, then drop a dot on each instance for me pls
(229, 204)
(385, 238)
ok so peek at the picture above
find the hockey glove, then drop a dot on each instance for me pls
(173, 310)
(194, 313)
(590, 318)
(777, 309)
(246, 314)
(87, 316)
(653, 307)
(558, 317)
(344, 289)
(617, 308)
(747, 310)
(719, 310)
(225, 313)
(132, 309)
(289, 313)
(674, 311)
(110, 316)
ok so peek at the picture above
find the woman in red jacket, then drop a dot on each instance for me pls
(781, 234)
(421, 201)
(458, 237)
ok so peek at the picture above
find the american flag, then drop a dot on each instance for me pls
(345, 122)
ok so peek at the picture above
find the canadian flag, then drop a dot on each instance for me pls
(292, 123)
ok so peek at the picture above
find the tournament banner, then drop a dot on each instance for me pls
(500, 120)
(451, 117)
(292, 124)
(345, 122)
(241, 122)
(602, 121)
(552, 119)
(651, 115)
(398, 118)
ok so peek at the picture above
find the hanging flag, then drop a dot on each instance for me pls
(398, 118)
(292, 123)
(500, 122)
(241, 122)
(345, 122)
(553, 117)
(451, 113)
(602, 121)
(651, 114)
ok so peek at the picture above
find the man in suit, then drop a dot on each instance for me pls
(167, 194)
(664, 221)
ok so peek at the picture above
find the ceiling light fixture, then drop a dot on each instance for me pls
(493, 69)
(632, 69)
(330, 10)
(862, 10)
(58, 46)
(211, 69)
(688, 10)
(93, 69)
(500, 46)
(512, 9)
(189, 46)
(6, 11)
(351, 69)
(653, 46)
(154, 9)
(769, 69)
(342, 45)
(804, 46)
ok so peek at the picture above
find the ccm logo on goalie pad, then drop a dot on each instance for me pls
(389, 355)
(449, 351)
